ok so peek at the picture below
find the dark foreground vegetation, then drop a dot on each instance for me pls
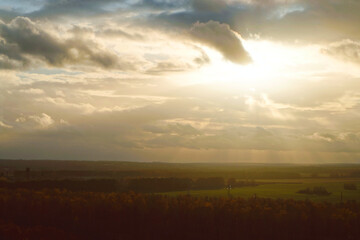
(350, 186)
(61, 214)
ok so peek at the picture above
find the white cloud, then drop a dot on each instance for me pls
(346, 50)
(35, 91)
(43, 120)
(20, 119)
(4, 125)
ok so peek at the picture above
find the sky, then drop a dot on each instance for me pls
(272, 81)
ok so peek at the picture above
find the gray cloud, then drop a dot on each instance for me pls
(79, 8)
(345, 50)
(109, 32)
(159, 4)
(209, 5)
(168, 66)
(23, 40)
(174, 65)
(7, 15)
(304, 20)
(202, 59)
(222, 38)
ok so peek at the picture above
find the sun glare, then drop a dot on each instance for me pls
(270, 62)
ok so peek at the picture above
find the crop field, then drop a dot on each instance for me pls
(286, 190)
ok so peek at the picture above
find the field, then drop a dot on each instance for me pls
(274, 180)
(286, 190)
(78, 200)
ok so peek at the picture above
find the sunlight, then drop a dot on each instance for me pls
(271, 62)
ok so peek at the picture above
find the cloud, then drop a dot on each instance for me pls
(79, 8)
(4, 125)
(289, 21)
(347, 50)
(173, 129)
(201, 123)
(284, 20)
(11, 64)
(110, 32)
(35, 91)
(168, 101)
(59, 102)
(43, 120)
(25, 42)
(323, 137)
(174, 65)
(159, 4)
(168, 66)
(222, 38)
(209, 5)
(202, 59)
(7, 15)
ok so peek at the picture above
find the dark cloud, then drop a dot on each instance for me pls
(345, 50)
(202, 59)
(6, 15)
(209, 5)
(9, 64)
(179, 66)
(160, 4)
(222, 38)
(168, 66)
(121, 33)
(306, 20)
(58, 8)
(303, 20)
(106, 32)
(23, 40)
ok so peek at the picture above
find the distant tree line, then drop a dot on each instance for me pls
(151, 173)
(179, 173)
(91, 185)
(315, 190)
(232, 182)
(153, 185)
(143, 185)
(55, 214)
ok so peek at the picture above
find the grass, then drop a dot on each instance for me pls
(284, 190)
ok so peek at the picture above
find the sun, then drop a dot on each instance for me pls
(271, 62)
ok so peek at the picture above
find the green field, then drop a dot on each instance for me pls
(285, 190)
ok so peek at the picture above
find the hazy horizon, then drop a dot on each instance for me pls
(221, 81)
